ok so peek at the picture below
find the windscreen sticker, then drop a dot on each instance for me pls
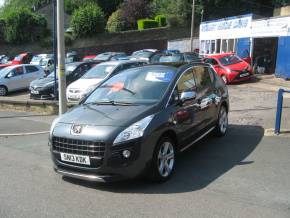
(117, 87)
(159, 76)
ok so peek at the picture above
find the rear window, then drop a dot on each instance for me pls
(31, 69)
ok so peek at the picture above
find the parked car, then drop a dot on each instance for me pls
(88, 58)
(23, 58)
(138, 121)
(18, 77)
(38, 58)
(43, 88)
(144, 54)
(4, 59)
(174, 58)
(230, 67)
(77, 90)
(71, 57)
(110, 56)
(47, 64)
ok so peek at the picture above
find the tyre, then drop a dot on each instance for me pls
(222, 123)
(163, 162)
(3, 91)
(224, 78)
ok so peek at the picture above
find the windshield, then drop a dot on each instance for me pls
(99, 72)
(138, 85)
(5, 71)
(36, 59)
(142, 54)
(171, 58)
(230, 59)
(43, 62)
(103, 57)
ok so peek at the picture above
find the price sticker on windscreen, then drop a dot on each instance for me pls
(159, 76)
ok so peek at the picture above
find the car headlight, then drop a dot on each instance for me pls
(53, 125)
(134, 131)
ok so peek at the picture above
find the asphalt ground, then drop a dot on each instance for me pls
(245, 174)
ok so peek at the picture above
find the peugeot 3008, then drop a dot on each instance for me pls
(138, 121)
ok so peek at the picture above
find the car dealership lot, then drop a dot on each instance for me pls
(245, 174)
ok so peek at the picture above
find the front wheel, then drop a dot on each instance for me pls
(222, 124)
(163, 162)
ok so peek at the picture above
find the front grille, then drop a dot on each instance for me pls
(80, 147)
(74, 91)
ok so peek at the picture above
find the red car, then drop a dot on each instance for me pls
(230, 67)
(23, 58)
(89, 58)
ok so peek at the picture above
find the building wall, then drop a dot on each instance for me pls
(283, 11)
(283, 58)
(182, 45)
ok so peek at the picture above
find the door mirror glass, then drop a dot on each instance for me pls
(187, 96)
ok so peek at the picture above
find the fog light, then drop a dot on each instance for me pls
(126, 153)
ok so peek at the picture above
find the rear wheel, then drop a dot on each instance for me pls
(224, 78)
(163, 162)
(222, 124)
(3, 91)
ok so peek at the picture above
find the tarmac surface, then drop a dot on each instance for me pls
(245, 174)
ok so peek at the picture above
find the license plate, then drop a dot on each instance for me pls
(34, 92)
(244, 74)
(74, 97)
(79, 159)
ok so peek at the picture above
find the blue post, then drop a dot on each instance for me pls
(279, 111)
(54, 40)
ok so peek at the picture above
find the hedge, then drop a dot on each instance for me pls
(147, 24)
(161, 19)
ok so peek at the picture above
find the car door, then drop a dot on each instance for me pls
(205, 95)
(31, 73)
(15, 80)
(187, 116)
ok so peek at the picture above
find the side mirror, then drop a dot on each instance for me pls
(188, 96)
(9, 75)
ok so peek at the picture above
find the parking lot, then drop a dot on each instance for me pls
(245, 174)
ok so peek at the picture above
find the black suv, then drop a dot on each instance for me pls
(137, 121)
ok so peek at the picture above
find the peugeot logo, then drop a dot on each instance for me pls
(76, 129)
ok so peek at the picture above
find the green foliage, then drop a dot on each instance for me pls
(161, 19)
(109, 6)
(147, 24)
(68, 39)
(71, 5)
(23, 25)
(88, 20)
(116, 22)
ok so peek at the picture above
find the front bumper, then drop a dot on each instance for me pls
(111, 167)
(44, 94)
(238, 77)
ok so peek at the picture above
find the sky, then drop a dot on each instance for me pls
(1, 2)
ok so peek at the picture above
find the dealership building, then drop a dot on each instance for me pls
(250, 35)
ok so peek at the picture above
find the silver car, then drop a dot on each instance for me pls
(18, 77)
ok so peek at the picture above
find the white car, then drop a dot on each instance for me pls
(18, 77)
(88, 82)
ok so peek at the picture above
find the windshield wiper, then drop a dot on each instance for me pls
(115, 103)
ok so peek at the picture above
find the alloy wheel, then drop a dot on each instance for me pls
(223, 120)
(3, 91)
(166, 159)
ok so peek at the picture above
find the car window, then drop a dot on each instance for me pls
(230, 59)
(211, 61)
(186, 82)
(31, 69)
(17, 71)
(202, 77)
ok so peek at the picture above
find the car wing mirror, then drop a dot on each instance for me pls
(9, 75)
(188, 96)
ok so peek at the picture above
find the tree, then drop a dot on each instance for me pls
(88, 20)
(22, 25)
(135, 9)
(116, 22)
(109, 6)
